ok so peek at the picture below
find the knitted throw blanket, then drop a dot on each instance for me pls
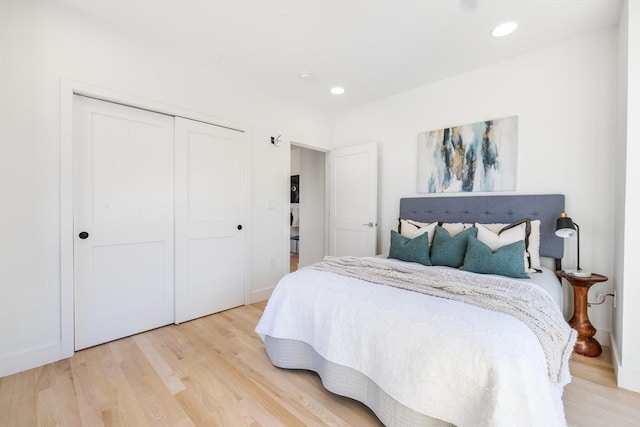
(527, 303)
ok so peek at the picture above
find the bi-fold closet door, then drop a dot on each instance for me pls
(158, 215)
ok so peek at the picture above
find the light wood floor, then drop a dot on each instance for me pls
(214, 372)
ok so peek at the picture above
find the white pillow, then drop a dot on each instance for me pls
(455, 227)
(533, 245)
(413, 229)
(499, 239)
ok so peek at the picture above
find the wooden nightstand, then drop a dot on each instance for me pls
(586, 344)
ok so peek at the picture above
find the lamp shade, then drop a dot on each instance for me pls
(565, 226)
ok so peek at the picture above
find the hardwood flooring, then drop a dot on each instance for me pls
(592, 399)
(293, 262)
(213, 371)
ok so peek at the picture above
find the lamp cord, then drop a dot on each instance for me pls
(604, 298)
(578, 230)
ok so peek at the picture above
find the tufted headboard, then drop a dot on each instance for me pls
(493, 209)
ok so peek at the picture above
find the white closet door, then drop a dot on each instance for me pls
(210, 199)
(123, 221)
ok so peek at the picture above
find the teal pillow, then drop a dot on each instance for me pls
(412, 250)
(505, 261)
(449, 250)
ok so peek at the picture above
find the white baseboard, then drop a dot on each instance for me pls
(603, 337)
(261, 295)
(625, 377)
(32, 358)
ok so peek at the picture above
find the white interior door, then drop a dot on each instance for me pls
(123, 221)
(353, 205)
(210, 202)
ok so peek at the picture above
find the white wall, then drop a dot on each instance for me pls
(41, 43)
(627, 231)
(620, 184)
(312, 206)
(295, 161)
(564, 96)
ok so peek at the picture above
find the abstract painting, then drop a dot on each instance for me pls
(480, 157)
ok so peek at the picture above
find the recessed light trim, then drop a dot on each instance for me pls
(306, 76)
(504, 29)
(337, 90)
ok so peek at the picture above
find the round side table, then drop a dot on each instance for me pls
(586, 344)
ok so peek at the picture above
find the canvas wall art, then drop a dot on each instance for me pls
(478, 157)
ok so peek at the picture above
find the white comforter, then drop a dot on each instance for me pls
(446, 359)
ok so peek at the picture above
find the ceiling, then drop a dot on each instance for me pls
(372, 48)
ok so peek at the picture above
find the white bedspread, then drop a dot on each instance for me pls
(459, 363)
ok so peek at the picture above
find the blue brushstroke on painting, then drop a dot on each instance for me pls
(446, 151)
(489, 157)
(469, 168)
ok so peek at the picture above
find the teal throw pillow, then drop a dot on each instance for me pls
(505, 261)
(412, 250)
(449, 250)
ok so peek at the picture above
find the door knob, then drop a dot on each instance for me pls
(83, 235)
(239, 226)
(370, 224)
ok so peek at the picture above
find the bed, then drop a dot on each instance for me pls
(399, 337)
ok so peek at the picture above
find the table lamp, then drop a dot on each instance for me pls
(565, 227)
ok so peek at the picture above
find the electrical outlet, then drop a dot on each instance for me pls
(614, 299)
(272, 263)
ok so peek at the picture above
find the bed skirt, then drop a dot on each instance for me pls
(342, 380)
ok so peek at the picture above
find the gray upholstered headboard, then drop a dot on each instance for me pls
(493, 209)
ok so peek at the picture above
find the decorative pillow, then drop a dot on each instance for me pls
(454, 227)
(532, 241)
(505, 261)
(412, 250)
(507, 235)
(533, 247)
(412, 229)
(449, 250)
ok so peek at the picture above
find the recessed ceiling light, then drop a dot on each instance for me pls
(504, 29)
(337, 90)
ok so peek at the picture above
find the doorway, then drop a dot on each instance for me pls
(308, 212)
